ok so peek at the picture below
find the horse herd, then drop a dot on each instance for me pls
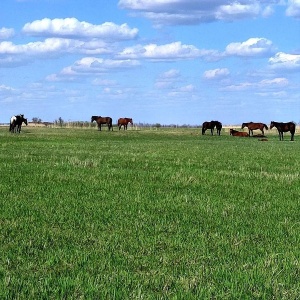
(17, 121)
(108, 121)
(281, 127)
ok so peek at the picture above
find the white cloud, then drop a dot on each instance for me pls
(187, 89)
(12, 54)
(251, 47)
(172, 51)
(236, 10)
(293, 9)
(167, 79)
(175, 12)
(6, 33)
(72, 28)
(5, 89)
(285, 61)
(91, 66)
(276, 83)
(173, 73)
(216, 73)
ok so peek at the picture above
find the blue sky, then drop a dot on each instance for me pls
(157, 61)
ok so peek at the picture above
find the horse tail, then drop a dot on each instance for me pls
(110, 121)
(266, 126)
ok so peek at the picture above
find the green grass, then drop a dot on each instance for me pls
(149, 214)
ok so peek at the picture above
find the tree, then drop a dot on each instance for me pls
(36, 120)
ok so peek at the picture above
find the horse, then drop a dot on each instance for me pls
(238, 133)
(284, 127)
(16, 123)
(253, 126)
(103, 120)
(218, 127)
(211, 125)
(124, 122)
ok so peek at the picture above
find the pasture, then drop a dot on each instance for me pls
(148, 214)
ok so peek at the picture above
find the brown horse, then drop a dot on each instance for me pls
(284, 127)
(238, 133)
(124, 122)
(102, 120)
(211, 125)
(253, 126)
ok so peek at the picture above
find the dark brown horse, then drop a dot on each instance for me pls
(238, 133)
(284, 127)
(218, 127)
(124, 122)
(103, 120)
(253, 126)
(211, 125)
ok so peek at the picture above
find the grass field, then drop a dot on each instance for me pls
(148, 214)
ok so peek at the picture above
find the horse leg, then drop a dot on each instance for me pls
(281, 136)
(292, 136)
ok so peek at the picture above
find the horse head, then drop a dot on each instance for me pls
(272, 124)
(25, 121)
(244, 125)
(94, 118)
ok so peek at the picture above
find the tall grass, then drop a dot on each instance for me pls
(165, 214)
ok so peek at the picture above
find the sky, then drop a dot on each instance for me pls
(156, 61)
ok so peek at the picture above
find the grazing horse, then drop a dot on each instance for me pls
(16, 123)
(211, 125)
(124, 122)
(253, 126)
(284, 127)
(102, 120)
(238, 133)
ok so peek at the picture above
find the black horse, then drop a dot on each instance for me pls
(102, 120)
(211, 125)
(284, 127)
(16, 123)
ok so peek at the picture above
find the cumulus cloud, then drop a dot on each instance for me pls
(263, 84)
(293, 9)
(172, 51)
(167, 79)
(91, 66)
(173, 73)
(13, 54)
(287, 61)
(6, 33)
(5, 89)
(216, 73)
(235, 10)
(72, 28)
(175, 12)
(251, 47)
